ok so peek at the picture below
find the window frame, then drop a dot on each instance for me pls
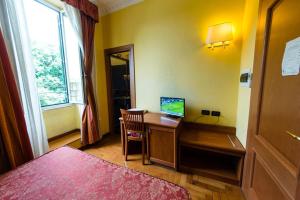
(82, 102)
(62, 47)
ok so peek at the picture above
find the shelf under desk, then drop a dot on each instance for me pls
(211, 153)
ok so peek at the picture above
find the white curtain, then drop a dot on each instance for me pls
(73, 15)
(14, 27)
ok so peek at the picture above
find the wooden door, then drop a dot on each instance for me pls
(273, 149)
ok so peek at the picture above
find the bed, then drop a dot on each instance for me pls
(68, 173)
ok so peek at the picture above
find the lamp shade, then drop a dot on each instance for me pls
(219, 33)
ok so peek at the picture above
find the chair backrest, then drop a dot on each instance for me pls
(133, 120)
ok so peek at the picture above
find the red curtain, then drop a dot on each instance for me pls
(14, 141)
(85, 7)
(89, 17)
(90, 131)
(4, 162)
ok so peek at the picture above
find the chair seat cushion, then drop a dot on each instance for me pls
(134, 134)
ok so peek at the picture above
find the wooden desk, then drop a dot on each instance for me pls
(163, 136)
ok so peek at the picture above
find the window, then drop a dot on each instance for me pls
(74, 65)
(55, 54)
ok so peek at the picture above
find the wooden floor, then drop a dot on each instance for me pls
(72, 140)
(199, 187)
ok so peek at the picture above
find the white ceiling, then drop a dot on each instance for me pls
(109, 6)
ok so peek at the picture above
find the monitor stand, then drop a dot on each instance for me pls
(173, 116)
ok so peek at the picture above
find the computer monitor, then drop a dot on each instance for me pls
(172, 106)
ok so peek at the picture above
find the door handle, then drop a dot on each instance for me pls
(293, 135)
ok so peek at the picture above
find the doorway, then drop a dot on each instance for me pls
(120, 77)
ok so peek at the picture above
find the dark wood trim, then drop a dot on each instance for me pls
(116, 57)
(162, 162)
(63, 135)
(107, 54)
(211, 127)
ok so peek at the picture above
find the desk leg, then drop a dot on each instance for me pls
(148, 143)
(122, 137)
(148, 132)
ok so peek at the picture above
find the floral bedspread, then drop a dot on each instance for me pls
(68, 173)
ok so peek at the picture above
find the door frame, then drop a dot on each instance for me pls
(107, 54)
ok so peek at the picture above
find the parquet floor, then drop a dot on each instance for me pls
(68, 139)
(199, 187)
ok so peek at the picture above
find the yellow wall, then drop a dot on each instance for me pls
(61, 120)
(249, 33)
(170, 56)
(101, 80)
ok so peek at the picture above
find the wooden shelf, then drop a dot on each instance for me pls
(211, 140)
(210, 153)
(210, 164)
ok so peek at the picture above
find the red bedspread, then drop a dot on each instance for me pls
(71, 174)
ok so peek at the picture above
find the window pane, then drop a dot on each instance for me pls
(44, 30)
(74, 63)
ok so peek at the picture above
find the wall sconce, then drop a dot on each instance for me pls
(219, 35)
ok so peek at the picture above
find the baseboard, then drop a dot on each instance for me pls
(97, 143)
(211, 127)
(63, 135)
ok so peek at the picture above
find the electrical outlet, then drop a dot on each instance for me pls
(205, 112)
(216, 113)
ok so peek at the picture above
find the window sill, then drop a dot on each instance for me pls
(57, 106)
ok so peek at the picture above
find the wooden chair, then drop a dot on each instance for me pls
(134, 129)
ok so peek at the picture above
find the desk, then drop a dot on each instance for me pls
(162, 141)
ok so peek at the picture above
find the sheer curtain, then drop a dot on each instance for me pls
(73, 15)
(14, 27)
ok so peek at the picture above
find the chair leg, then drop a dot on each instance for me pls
(143, 149)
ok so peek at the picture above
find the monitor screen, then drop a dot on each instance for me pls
(172, 106)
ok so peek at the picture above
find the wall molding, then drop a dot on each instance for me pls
(63, 135)
(106, 8)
